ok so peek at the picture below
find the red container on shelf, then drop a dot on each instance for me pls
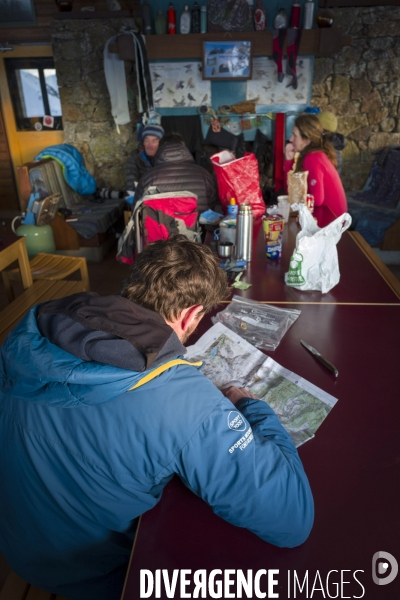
(171, 17)
(295, 15)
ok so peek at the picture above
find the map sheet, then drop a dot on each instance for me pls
(228, 360)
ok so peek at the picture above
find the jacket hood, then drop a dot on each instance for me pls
(85, 349)
(172, 152)
(338, 141)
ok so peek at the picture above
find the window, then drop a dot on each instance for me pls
(34, 93)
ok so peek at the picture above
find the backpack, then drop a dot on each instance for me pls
(383, 184)
(157, 216)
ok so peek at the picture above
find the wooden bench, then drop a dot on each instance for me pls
(34, 292)
(16, 588)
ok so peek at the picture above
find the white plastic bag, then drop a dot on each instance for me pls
(314, 264)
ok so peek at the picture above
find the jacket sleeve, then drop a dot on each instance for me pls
(316, 184)
(132, 171)
(242, 462)
(142, 186)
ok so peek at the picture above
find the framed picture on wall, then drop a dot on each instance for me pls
(17, 14)
(227, 60)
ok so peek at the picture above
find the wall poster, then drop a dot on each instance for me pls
(179, 84)
(265, 85)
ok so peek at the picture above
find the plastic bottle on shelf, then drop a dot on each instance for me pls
(232, 208)
(308, 14)
(280, 21)
(260, 17)
(295, 14)
(196, 18)
(146, 18)
(203, 19)
(171, 19)
(160, 23)
(185, 20)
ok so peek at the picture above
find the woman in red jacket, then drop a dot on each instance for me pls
(318, 157)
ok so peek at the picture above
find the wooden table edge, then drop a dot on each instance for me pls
(131, 557)
(377, 262)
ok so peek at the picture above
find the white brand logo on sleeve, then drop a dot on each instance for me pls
(236, 422)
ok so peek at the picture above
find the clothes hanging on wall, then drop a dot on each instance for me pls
(114, 71)
(133, 49)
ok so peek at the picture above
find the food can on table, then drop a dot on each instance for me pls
(273, 231)
(310, 202)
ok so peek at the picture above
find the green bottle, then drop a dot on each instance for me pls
(160, 23)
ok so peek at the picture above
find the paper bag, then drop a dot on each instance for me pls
(297, 186)
(314, 264)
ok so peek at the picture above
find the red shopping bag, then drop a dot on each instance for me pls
(238, 178)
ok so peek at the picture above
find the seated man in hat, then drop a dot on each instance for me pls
(142, 158)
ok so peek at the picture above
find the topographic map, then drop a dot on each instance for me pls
(228, 359)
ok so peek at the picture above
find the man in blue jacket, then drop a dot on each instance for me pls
(98, 411)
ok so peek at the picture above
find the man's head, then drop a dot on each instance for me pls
(172, 138)
(179, 279)
(150, 137)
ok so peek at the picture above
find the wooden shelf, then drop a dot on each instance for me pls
(317, 42)
(93, 14)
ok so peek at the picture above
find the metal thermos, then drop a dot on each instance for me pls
(244, 232)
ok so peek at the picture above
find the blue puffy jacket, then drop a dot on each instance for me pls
(82, 456)
(74, 171)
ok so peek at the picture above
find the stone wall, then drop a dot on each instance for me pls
(88, 125)
(361, 85)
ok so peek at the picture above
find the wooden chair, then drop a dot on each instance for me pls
(16, 588)
(35, 292)
(50, 267)
(17, 251)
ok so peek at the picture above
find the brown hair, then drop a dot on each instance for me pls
(311, 129)
(172, 138)
(171, 275)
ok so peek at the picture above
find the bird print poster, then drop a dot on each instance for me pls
(179, 84)
(270, 92)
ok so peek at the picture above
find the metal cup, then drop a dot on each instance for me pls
(225, 249)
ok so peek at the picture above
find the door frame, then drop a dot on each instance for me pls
(24, 145)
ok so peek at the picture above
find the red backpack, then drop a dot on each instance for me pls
(157, 216)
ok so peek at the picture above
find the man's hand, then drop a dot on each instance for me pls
(234, 394)
(289, 151)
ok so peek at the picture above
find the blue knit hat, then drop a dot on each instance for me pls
(150, 129)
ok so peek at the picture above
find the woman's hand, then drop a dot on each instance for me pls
(289, 151)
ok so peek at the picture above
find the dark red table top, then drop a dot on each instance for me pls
(353, 465)
(360, 281)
